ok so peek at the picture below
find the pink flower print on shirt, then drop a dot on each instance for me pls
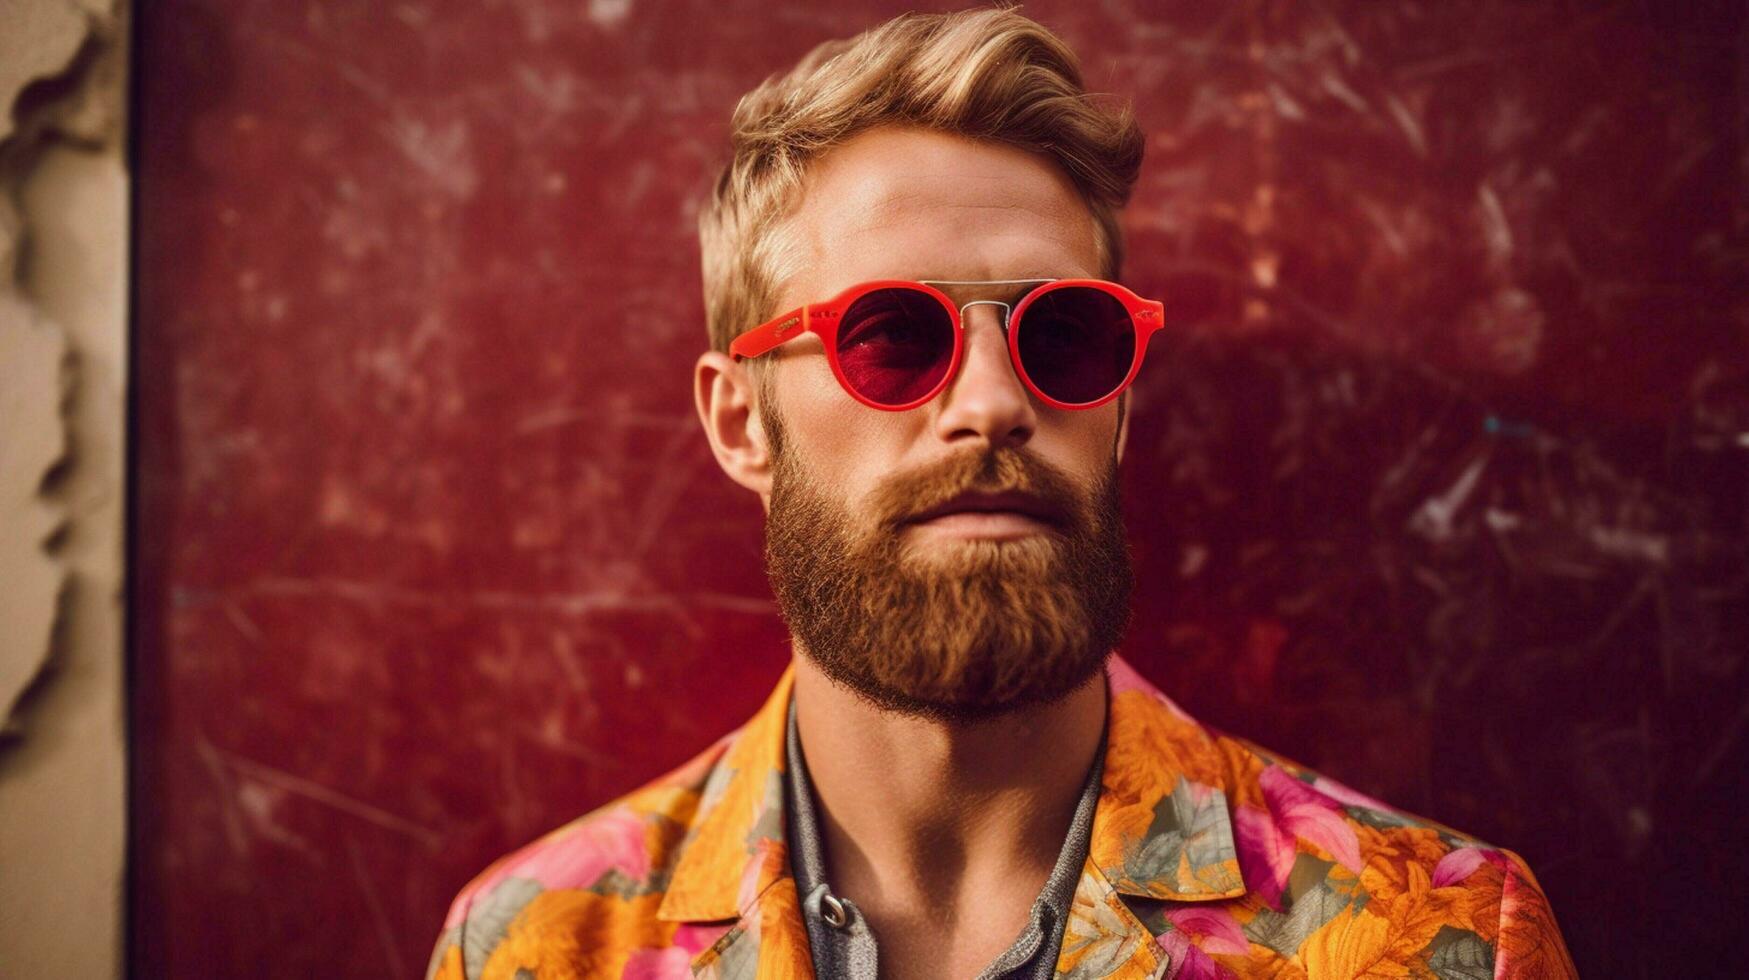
(1268, 839)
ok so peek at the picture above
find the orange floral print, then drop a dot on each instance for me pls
(1209, 858)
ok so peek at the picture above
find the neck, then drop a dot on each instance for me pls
(914, 810)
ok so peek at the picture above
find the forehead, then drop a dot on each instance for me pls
(917, 204)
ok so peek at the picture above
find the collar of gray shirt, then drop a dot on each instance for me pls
(847, 949)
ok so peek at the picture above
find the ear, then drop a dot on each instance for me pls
(727, 408)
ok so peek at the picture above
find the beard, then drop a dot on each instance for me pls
(968, 629)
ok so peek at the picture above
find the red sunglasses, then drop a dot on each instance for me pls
(1075, 343)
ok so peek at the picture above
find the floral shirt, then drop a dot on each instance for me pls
(1209, 857)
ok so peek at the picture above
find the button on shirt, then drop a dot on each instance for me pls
(839, 938)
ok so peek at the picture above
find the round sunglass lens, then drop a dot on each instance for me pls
(895, 345)
(1076, 343)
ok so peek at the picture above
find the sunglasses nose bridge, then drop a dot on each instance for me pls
(1004, 315)
(1007, 311)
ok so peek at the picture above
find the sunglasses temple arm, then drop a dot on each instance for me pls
(1152, 316)
(785, 326)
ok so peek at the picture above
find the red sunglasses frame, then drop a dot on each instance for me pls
(823, 319)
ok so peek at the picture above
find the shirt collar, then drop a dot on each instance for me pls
(1161, 828)
(735, 849)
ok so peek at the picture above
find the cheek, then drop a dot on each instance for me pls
(850, 448)
(1086, 439)
(835, 433)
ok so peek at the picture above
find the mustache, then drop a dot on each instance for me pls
(901, 496)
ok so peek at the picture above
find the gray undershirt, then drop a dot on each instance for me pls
(848, 950)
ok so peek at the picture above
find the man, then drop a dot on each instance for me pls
(918, 364)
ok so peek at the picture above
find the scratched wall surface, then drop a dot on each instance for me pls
(1443, 488)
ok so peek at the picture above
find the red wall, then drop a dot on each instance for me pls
(1446, 495)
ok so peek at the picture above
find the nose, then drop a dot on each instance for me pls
(986, 400)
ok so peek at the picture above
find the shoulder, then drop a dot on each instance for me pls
(1332, 878)
(595, 881)
(1278, 808)
(1335, 873)
(1269, 792)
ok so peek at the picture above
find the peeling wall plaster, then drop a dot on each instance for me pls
(63, 275)
(31, 356)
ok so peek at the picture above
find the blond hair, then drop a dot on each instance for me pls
(989, 74)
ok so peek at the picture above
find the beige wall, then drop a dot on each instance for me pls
(63, 280)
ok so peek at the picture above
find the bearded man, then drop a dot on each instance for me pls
(918, 364)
